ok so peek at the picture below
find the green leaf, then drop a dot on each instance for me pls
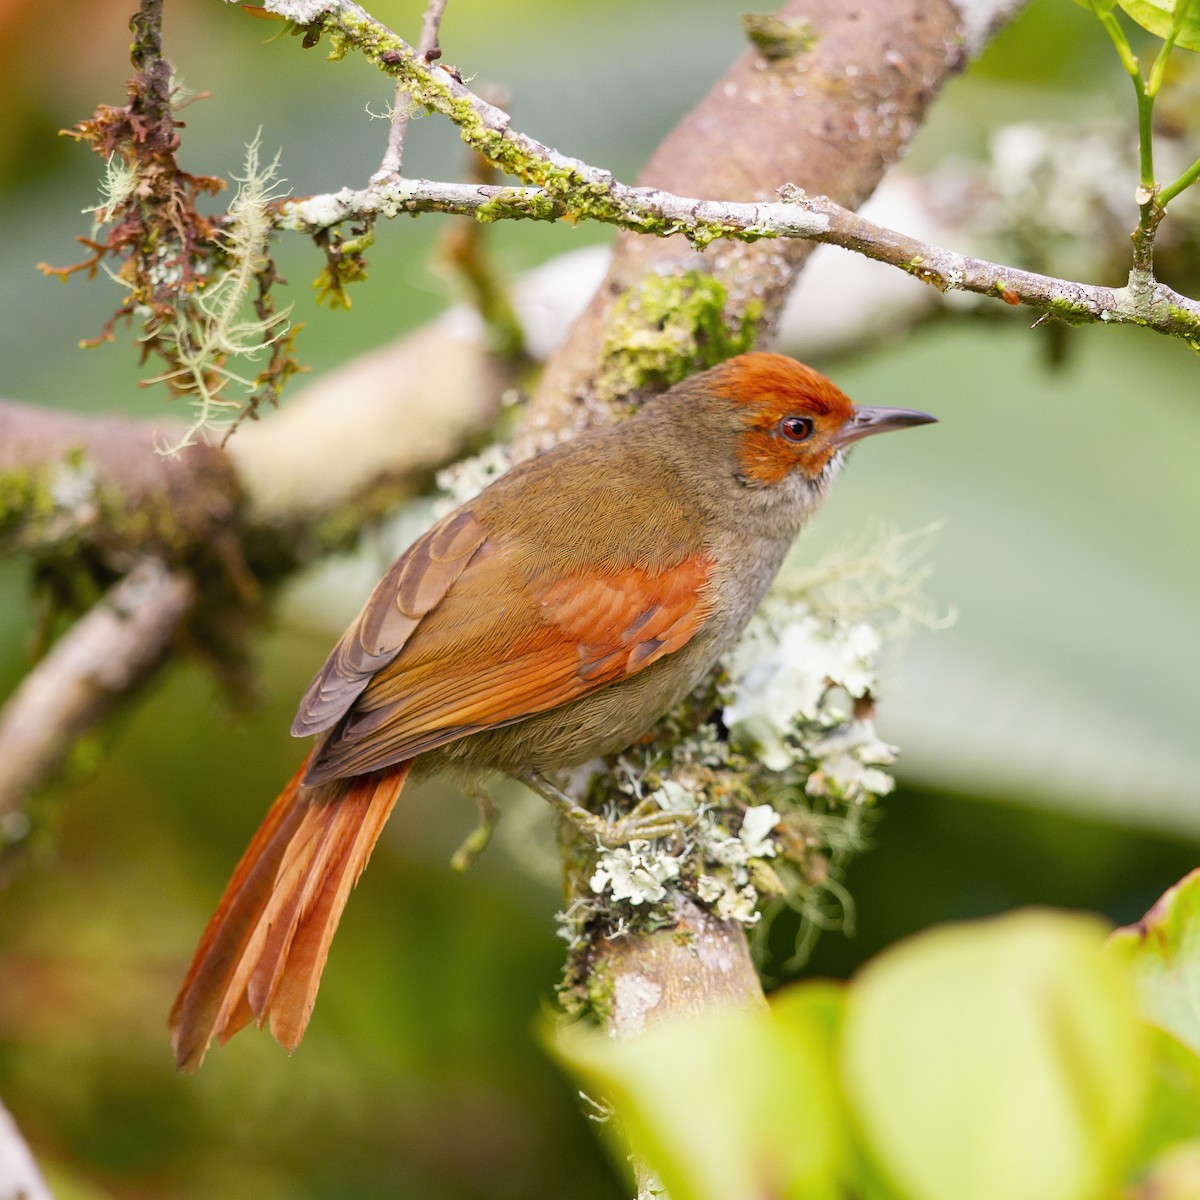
(1158, 16)
(998, 1059)
(732, 1105)
(1099, 7)
(1163, 950)
(1173, 1110)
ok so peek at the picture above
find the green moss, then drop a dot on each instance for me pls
(345, 263)
(23, 497)
(600, 991)
(1071, 311)
(48, 506)
(515, 204)
(668, 328)
(776, 37)
(339, 43)
(68, 521)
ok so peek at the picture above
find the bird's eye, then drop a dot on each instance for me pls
(796, 429)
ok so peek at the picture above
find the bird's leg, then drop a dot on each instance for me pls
(476, 842)
(647, 820)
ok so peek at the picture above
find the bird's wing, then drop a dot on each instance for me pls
(412, 587)
(500, 646)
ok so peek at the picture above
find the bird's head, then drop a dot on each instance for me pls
(792, 421)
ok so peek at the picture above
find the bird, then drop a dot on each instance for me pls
(551, 619)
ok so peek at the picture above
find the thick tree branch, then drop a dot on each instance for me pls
(320, 468)
(70, 481)
(353, 443)
(653, 978)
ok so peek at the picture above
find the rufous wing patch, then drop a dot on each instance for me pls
(559, 640)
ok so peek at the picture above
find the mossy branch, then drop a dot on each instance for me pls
(796, 215)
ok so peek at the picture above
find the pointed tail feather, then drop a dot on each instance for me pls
(262, 953)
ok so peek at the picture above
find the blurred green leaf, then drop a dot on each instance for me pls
(808, 1021)
(733, 1105)
(1099, 7)
(816, 1005)
(1173, 1109)
(1159, 16)
(998, 1059)
(1163, 950)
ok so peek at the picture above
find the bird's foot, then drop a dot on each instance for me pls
(645, 822)
(476, 842)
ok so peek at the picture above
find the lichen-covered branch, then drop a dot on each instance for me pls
(1156, 306)
(584, 190)
(810, 218)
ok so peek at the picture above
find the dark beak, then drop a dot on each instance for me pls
(878, 420)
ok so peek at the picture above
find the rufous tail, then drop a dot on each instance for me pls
(263, 951)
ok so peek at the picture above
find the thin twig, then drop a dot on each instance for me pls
(402, 109)
(109, 650)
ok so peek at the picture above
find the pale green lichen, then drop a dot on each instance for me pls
(464, 480)
(301, 11)
(214, 332)
(117, 186)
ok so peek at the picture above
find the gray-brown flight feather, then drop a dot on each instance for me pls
(413, 585)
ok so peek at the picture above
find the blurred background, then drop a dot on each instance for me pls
(1050, 743)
